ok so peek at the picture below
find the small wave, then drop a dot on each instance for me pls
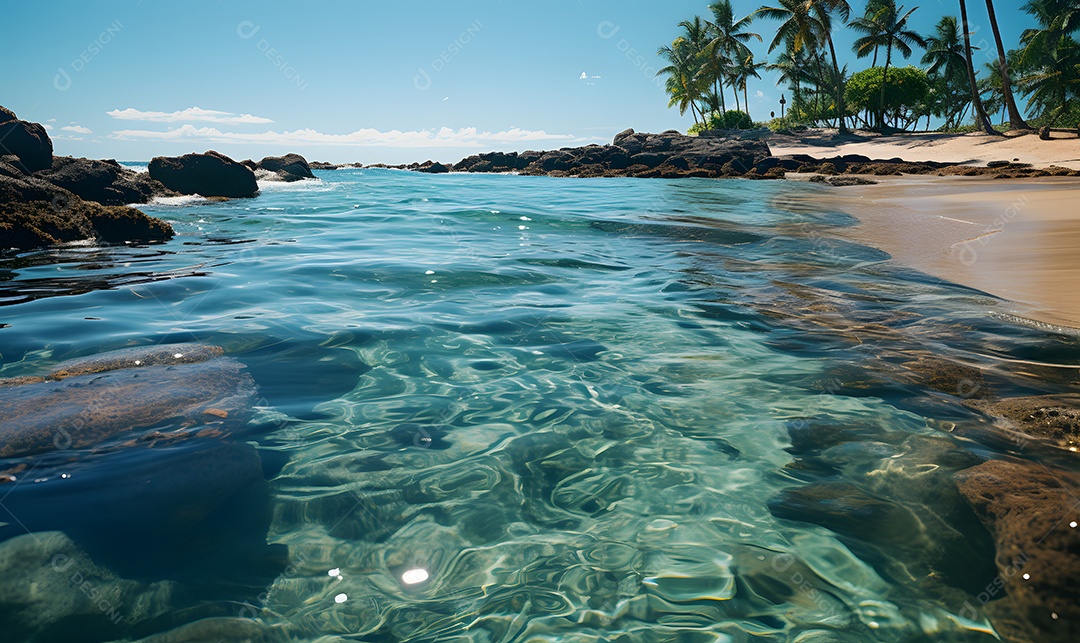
(186, 199)
(305, 185)
(1070, 331)
(135, 166)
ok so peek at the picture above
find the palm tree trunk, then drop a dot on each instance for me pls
(719, 92)
(1016, 121)
(884, 81)
(746, 101)
(981, 119)
(839, 89)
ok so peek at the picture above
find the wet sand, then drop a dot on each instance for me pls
(975, 148)
(1018, 240)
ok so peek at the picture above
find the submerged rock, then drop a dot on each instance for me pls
(210, 174)
(1032, 513)
(53, 591)
(182, 500)
(1055, 418)
(87, 401)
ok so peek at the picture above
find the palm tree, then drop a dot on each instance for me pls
(682, 81)
(945, 57)
(1016, 121)
(1055, 85)
(696, 34)
(729, 37)
(885, 28)
(744, 70)
(824, 9)
(808, 23)
(793, 68)
(1048, 62)
(981, 119)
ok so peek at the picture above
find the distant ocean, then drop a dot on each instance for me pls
(501, 408)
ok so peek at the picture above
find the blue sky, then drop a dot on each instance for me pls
(364, 81)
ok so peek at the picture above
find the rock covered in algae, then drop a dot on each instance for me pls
(52, 591)
(1032, 512)
(83, 402)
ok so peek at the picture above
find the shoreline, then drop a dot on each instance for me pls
(1013, 239)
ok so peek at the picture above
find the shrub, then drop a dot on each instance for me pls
(731, 119)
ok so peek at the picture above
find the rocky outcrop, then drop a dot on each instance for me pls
(210, 174)
(666, 155)
(1031, 512)
(731, 154)
(288, 168)
(35, 213)
(433, 168)
(25, 140)
(106, 182)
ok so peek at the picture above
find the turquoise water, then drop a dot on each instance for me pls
(576, 405)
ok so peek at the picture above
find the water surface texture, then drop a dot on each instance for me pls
(588, 410)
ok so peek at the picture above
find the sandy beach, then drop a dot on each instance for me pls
(977, 148)
(1012, 239)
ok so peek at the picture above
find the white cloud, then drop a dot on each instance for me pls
(78, 129)
(759, 94)
(48, 128)
(187, 115)
(444, 137)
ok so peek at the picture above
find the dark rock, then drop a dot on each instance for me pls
(555, 161)
(466, 164)
(103, 181)
(323, 165)
(1031, 510)
(1044, 133)
(678, 163)
(434, 168)
(8, 115)
(28, 141)
(26, 225)
(209, 174)
(994, 164)
(648, 159)
(11, 166)
(847, 510)
(618, 160)
(1049, 417)
(618, 137)
(249, 164)
(949, 377)
(842, 181)
(291, 167)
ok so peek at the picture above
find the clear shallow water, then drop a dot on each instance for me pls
(576, 404)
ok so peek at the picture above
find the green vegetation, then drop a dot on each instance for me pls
(901, 100)
(731, 119)
(711, 57)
